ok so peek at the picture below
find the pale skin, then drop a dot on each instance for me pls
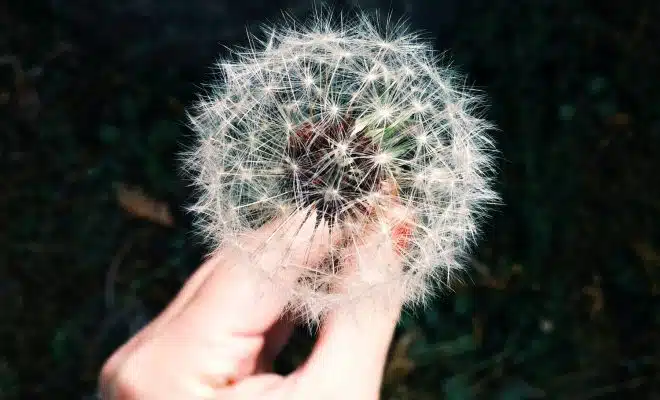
(217, 340)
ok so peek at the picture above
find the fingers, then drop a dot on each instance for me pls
(173, 309)
(353, 342)
(215, 328)
(223, 300)
(234, 300)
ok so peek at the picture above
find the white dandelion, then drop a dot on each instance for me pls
(345, 117)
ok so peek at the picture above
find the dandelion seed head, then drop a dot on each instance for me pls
(344, 116)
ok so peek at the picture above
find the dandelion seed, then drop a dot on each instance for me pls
(337, 116)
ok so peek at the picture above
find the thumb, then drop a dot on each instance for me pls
(353, 343)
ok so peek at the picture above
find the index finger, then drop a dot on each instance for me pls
(253, 281)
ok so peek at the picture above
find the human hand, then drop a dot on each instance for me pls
(217, 338)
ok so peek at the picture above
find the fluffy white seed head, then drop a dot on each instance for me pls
(344, 117)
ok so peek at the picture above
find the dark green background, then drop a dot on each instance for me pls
(562, 300)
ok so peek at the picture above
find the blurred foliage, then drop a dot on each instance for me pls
(562, 300)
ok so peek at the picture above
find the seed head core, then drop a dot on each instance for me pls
(336, 169)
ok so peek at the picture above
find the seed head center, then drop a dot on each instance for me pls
(335, 173)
